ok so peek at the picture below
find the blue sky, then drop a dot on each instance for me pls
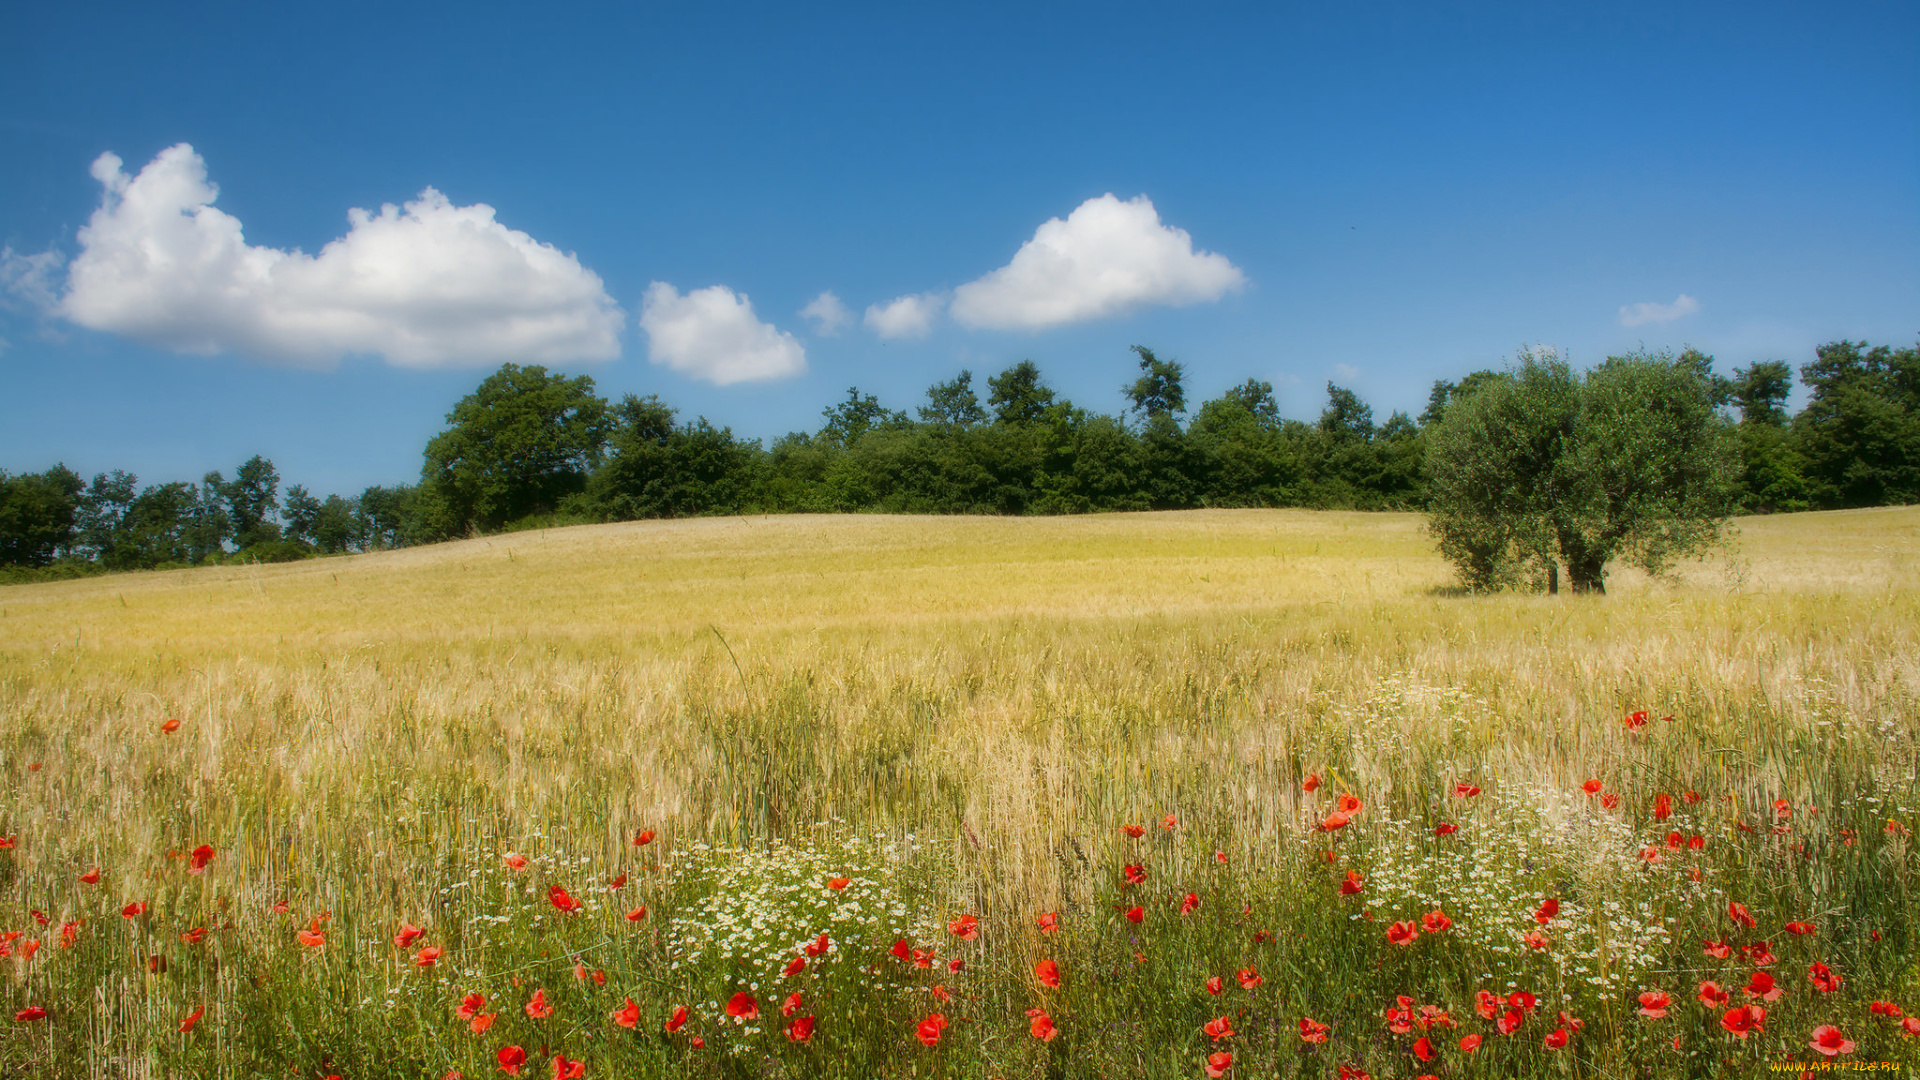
(1374, 194)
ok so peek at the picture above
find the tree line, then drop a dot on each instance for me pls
(533, 448)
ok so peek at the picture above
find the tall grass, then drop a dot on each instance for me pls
(965, 712)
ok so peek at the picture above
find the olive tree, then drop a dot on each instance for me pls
(1543, 467)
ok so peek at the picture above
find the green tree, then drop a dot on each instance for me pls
(302, 512)
(1158, 393)
(1860, 431)
(252, 502)
(518, 445)
(657, 468)
(37, 515)
(1772, 472)
(1018, 396)
(856, 416)
(1543, 467)
(953, 403)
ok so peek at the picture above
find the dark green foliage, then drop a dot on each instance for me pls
(519, 445)
(953, 403)
(1860, 433)
(1017, 394)
(37, 515)
(1157, 394)
(657, 468)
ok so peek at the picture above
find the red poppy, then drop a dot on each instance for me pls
(1047, 972)
(514, 860)
(30, 1014)
(1169, 822)
(966, 927)
(1711, 995)
(1609, 801)
(197, 862)
(408, 934)
(172, 725)
(1486, 1005)
(742, 1006)
(562, 899)
(537, 1006)
(1884, 1008)
(1746, 1018)
(1402, 933)
(91, 877)
(194, 936)
(1423, 1049)
(1548, 909)
(1824, 980)
(1188, 903)
(1569, 1022)
(1135, 831)
(801, 1030)
(1312, 783)
(627, 1015)
(1523, 1001)
(644, 838)
(956, 964)
(1910, 1027)
(1695, 843)
(1469, 1044)
(1218, 1028)
(1675, 841)
(1738, 913)
(568, 1070)
(928, 1030)
(510, 1059)
(1135, 914)
(1759, 954)
(838, 883)
(1510, 1021)
(1555, 1039)
(311, 937)
(819, 947)
(1312, 1030)
(1591, 787)
(1799, 928)
(1762, 986)
(619, 881)
(1654, 1003)
(470, 1006)
(1220, 857)
(1042, 1026)
(1828, 1040)
(1636, 720)
(428, 956)
(1719, 950)
(1353, 884)
(1465, 790)
(192, 1018)
(1350, 804)
(677, 1020)
(134, 910)
(1537, 940)
(1048, 922)
(940, 994)
(637, 913)
(1781, 808)
(1334, 822)
(795, 966)
(1134, 875)
(1435, 921)
(1444, 829)
(1662, 806)
(1215, 985)
(1218, 1063)
(1432, 1016)
(1249, 978)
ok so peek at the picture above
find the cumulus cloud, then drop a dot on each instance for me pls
(711, 334)
(1658, 314)
(909, 316)
(429, 284)
(827, 314)
(1108, 257)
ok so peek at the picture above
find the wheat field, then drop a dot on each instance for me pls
(986, 701)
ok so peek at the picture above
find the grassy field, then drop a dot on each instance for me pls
(958, 717)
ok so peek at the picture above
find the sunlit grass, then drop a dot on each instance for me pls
(368, 736)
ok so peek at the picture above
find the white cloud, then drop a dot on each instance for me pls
(711, 334)
(1108, 257)
(1659, 314)
(31, 277)
(1346, 371)
(827, 314)
(909, 316)
(429, 284)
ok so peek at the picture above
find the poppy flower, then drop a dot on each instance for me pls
(1555, 1039)
(1537, 940)
(172, 725)
(1510, 1021)
(1523, 1001)
(1695, 843)
(1781, 808)
(1569, 1022)
(1312, 783)
(1675, 841)
(1910, 1027)
(1350, 804)
(194, 936)
(1609, 801)
(311, 937)
(801, 1030)
(479, 1024)
(795, 966)
(1312, 1030)
(1636, 720)
(819, 947)
(1220, 857)
(923, 958)
(1134, 875)
(568, 1070)
(966, 927)
(470, 1006)
(134, 910)
(1591, 787)
(1042, 1026)
(514, 860)
(940, 994)
(627, 1015)
(1662, 806)
(1402, 933)
(1218, 1063)
(1444, 829)
(644, 838)
(1169, 822)
(743, 1007)
(428, 956)
(1486, 1005)
(197, 862)
(1423, 1049)
(1465, 790)
(91, 877)
(928, 1030)
(1249, 978)
(1711, 995)
(1824, 980)
(1435, 921)
(1048, 922)
(1650, 854)
(1261, 937)
(1884, 1008)
(510, 1059)
(1799, 928)
(1738, 913)
(1762, 986)
(618, 881)
(1215, 985)
(1759, 954)
(637, 913)
(408, 934)
(1719, 950)
(1353, 884)
(1134, 831)
(1738, 1022)
(1188, 903)
(1654, 1003)
(838, 883)
(1334, 822)
(29, 1014)
(1828, 1040)
(562, 899)
(677, 1020)
(1218, 1028)
(1469, 1044)
(1047, 972)
(537, 1006)
(1135, 914)
(192, 1018)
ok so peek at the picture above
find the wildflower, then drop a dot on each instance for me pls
(311, 937)
(1609, 801)
(618, 881)
(1781, 808)
(1133, 874)
(1042, 1026)
(1884, 1008)
(1555, 1039)
(956, 964)
(1423, 1049)
(1469, 1044)
(1048, 973)
(1169, 822)
(1653, 1004)
(1188, 903)
(1738, 913)
(1312, 783)
(838, 883)
(1675, 841)
(677, 1020)
(568, 1070)
(1353, 884)
(801, 1030)
(1762, 987)
(91, 877)
(795, 966)
(1218, 1063)
(1433, 1016)
(29, 1014)
(1350, 804)
(1523, 1001)
(428, 956)
(1220, 857)
(1711, 995)
(1662, 806)
(1215, 985)
(514, 860)
(188, 1021)
(1312, 1030)
(172, 725)
(197, 862)
(1719, 950)
(1486, 1005)
(940, 994)
(1334, 822)
(743, 1007)
(537, 1006)
(1695, 843)
(627, 1015)
(637, 913)
(1824, 980)
(1435, 921)
(510, 1059)
(194, 936)
(1591, 787)
(1218, 1028)
(408, 934)
(1828, 1040)
(1400, 1020)
(1510, 1021)
(1910, 1027)
(562, 899)
(1048, 922)
(1465, 790)
(479, 1024)
(1135, 914)
(1636, 720)
(1548, 909)
(1445, 829)
(1249, 978)
(1744, 1019)
(1759, 954)
(644, 838)
(791, 1005)
(470, 1006)
(928, 1030)
(1799, 928)
(1537, 940)
(1570, 1023)
(134, 910)
(1402, 933)
(1134, 831)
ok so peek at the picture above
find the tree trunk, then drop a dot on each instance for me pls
(1588, 574)
(1553, 576)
